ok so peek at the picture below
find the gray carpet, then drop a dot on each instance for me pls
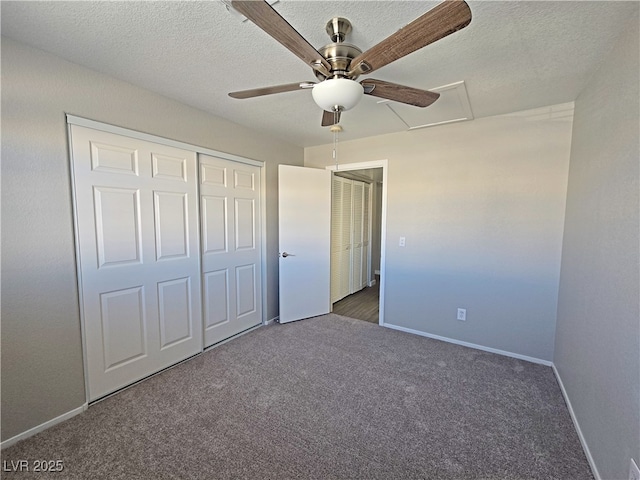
(324, 398)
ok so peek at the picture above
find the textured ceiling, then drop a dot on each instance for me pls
(514, 55)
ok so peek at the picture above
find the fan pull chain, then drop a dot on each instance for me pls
(335, 131)
(335, 148)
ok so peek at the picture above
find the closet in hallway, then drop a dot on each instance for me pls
(350, 235)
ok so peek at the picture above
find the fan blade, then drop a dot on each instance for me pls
(257, 92)
(330, 118)
(445, 19)
(265, 17)
(399, 93)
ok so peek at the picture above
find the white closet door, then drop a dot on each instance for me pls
(366, 236)
(341, 233)
(358, 237)
(346, 251)
(137, 231)
(231, 253)
(336, 238)
(341, 238)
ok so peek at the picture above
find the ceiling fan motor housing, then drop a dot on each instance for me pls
(339, 56)
(338, 53)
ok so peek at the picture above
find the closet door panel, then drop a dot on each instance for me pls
(171, 225)
(341, 237)
(231, 254)
(137, 234)
(174, 302)
(357, 239)
(345, 247)
(366, 236)
(336, 238)
(214, 224)
(216, 298)
(123, 322)
(117, 224)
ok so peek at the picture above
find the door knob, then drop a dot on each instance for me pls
(285, 254)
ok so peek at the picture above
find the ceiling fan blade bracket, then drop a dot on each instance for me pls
(258, 92)
(319, 67)
(368, 87)
(361, 68)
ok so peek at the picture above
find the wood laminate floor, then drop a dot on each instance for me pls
(362, 305)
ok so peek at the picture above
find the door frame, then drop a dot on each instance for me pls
(109, 128)
(384, 164)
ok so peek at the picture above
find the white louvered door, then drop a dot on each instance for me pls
(336, 237)
(350, 237)
(137, 231)
(231, 254)
(366, 235)
(357, 236)
(341, 230)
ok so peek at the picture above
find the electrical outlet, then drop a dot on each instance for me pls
(402, 242)
(462, 315)
(634, 471)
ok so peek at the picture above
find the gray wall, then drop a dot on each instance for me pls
(481, 205)
(42, 374)
(597, 341)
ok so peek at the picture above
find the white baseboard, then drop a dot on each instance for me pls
(583, 441)
(470, 345)
(272, 320)
(43, 426)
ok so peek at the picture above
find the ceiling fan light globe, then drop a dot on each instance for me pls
(337, 93)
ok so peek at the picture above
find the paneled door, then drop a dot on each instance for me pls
(139, 265)
(231, 250)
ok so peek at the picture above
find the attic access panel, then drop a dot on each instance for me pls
(452, 106)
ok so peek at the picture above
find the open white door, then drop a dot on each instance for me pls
(305, 242)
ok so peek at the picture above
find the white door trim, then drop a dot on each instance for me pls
(384, 164)
(76, 244)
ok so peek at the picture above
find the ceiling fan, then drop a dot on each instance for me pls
(338, 64)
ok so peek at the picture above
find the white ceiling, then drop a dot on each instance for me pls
(514, 55)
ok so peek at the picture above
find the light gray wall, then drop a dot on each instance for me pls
(597, 341)
(42, 374)
(481, 205)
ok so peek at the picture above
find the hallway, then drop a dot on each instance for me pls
(362, 305)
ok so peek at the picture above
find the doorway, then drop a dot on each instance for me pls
(366, 300)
